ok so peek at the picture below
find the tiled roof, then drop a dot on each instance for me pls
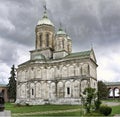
(79, 54)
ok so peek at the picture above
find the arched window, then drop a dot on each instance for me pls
(40, 40)
(63, 43)
(47, 40)
(32, 91)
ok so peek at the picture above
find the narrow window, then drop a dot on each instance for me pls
(47, 40)
(68, 90)
(63, 43)
(32, 91)
(40, 40)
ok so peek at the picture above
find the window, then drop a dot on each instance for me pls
(63, 43)
(47, 40)
(40, 40)
(32, 91)
(68, 90)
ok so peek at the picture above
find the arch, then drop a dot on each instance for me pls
(110, 92)
(38, 73)
(23, 91)
(85, 69)
(64, 71)
(68, 89)
(45, 90)
(52, 90)
(38, 90)
(60, 90)
(71, 70)
(51, 73)
(76, 89)
(32, 89)
(84, 84)
(116, 92)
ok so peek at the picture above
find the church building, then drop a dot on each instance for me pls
(55, 75)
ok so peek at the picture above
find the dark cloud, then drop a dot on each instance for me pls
(85, 21)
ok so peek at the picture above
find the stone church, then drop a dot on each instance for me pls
(55, 75)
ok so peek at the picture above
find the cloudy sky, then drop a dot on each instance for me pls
(86, 22)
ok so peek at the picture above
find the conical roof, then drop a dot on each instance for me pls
(45, 20)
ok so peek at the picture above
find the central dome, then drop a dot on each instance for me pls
(45, 20)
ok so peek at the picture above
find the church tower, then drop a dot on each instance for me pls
(63, 44)
(45, 31)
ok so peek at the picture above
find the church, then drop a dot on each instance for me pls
(55, 75)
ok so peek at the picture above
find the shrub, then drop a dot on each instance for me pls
(97, 104)
(106, 110)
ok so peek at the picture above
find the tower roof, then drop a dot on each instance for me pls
(45, 20)
(61, 32)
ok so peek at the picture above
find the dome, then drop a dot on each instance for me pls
(61, 32)
(45, 20)
(68, 37)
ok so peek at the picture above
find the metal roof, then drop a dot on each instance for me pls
(79, 54)
(45, 20)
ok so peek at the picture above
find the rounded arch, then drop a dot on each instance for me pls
(71, 70)
(85, 69)
(64, 71)
(110, 92)
(76, 88)
(23, 91)
(38, 90)
(84, 84)
(60, 90)
(52, 90)
(116, 92)
(67, 89)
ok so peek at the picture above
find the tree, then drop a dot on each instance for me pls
(102, 90)
(12, 85)
(89, 98)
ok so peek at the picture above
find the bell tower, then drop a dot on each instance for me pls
(45, 34)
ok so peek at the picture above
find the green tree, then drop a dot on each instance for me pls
(89, 98)
(102, 90)
(12, 85)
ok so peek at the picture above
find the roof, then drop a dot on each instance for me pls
(3, 85)
(79, 54)
(112, 83)
(61, 32)
(45, 20)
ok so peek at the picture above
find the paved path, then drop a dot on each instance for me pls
(46, 112)
(111, 103)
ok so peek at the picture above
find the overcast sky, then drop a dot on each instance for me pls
(86, 22)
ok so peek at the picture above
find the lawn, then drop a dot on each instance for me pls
(51, 110)
(42, 108)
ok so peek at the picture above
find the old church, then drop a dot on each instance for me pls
(54, 74)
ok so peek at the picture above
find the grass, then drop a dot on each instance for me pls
(115, 110)
(45, 108)
(38, 108)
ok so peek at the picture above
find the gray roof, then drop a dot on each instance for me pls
(112, 83)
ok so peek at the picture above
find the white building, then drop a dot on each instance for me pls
(54, 74)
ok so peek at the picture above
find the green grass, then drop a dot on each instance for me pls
(45, 108)
(115, 110)
(38, 108)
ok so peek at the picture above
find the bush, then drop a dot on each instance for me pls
(106, 110)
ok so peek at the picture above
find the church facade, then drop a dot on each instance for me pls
(54, 74)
